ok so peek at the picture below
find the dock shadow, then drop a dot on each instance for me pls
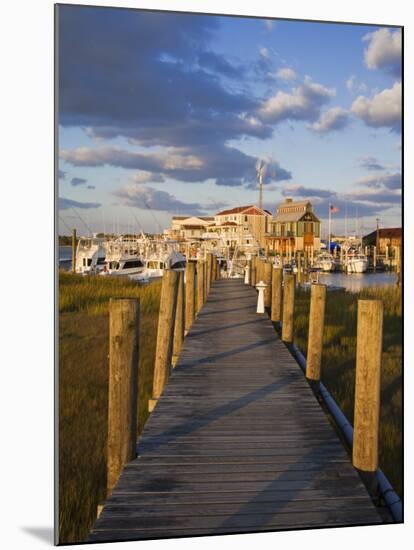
(151, 443)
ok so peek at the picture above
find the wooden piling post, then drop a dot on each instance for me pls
(277, 278)
(209, 271)
(73, 250)
(299, 264)
(214, 269)
(200, 284)
(267, 279)
(375, 258)
(367, 385)
(179, 319)
(398, 264)
(288, 307)
(253, 272)
(205, 280)
(122, 386)
(315, 336)
(249, 271)
(165, 333)
(189, 295)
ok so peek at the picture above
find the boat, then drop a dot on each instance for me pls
(90, 255)
(160, 255)
(356, 263)
(123, 258)
(290, 267)
(125, 266)
(325, 262)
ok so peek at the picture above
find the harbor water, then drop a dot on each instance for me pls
(354, 282)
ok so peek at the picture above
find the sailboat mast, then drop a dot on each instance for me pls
(346, 221)
(329, 229)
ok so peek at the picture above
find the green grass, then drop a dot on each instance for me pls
(83, 390)
(91, 294)
(338, 363)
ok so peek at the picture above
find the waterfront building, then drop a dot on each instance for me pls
(385, 239)
(294, 228)
(243, 226)
(189, 228)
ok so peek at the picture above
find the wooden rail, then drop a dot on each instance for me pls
(237, 441)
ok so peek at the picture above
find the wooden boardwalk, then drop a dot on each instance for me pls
(237, 443)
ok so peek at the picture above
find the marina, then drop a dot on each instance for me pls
(291, 238)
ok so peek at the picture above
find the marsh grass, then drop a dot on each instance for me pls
(338, 363)
(83, 390)
(83, 381)
(91, 294)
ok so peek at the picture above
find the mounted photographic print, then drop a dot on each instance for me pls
(229, 274)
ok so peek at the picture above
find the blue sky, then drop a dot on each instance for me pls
(164, 114)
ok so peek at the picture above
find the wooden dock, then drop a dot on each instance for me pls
(237, 442)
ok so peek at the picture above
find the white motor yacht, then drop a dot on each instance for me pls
(326, 262)
(123, 258)
(160, 256)
(356, 263)
(90, 255)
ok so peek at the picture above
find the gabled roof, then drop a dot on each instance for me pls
(194, 220)
(236, 210)
(249, 210)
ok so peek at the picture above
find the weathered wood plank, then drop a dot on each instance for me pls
(237, 442)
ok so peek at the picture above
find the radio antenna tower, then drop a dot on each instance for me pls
(260, 170)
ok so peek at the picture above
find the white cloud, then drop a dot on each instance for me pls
(354, 85)
(333, 119)
(303, 103)
(388, 181)
(370, 163)
(384, 197)
(145, 177)
(383, 110)
(264, 52)
(65, 204)
(143, 196)
(286, 74)
(384, 50)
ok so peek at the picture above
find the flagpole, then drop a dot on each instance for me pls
(346, 220)
(329, 229)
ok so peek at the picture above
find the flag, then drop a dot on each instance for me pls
(333, 208)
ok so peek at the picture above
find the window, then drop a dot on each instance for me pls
(132, 263)
(245, 218)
